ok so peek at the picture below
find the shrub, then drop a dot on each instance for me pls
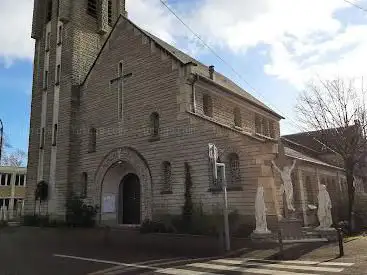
(80, 214)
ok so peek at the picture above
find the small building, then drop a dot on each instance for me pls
(12, 189)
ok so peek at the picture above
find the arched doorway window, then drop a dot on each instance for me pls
(129, 200)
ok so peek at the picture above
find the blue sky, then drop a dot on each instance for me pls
(275, 45)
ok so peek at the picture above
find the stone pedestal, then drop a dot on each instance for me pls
(328, 233)
(291, 228)
(262, 236)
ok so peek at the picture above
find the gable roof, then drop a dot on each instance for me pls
(301, 156)
(200, 69)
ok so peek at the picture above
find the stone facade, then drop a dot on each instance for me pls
(114, 77)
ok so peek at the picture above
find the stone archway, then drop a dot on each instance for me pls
(132, 162)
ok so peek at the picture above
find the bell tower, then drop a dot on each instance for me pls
(68, 36)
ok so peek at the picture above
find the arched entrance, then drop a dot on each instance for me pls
(123, 188)
(129, 200)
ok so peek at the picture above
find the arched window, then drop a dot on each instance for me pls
(237, 117)
(207, 105)
(166, 176)
(154, 125)
(84, 185)
(234, 169)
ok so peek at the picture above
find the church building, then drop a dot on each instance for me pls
(117, 113)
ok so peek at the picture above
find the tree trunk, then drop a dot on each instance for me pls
(351, 188)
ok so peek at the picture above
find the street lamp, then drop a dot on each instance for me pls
(1, 138)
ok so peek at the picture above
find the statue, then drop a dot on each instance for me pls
(324, 210)
(1, 213)
(260, 212)
(287, 185)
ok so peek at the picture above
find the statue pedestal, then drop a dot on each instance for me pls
(328, 233)
(291, 227)
(262, 236)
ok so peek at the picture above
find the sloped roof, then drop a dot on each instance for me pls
(301, 156)
(200, 68)
(203, 70)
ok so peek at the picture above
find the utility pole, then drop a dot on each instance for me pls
(1, 138)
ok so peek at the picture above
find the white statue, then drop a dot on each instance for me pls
(260, 212)
(324, 209)
(287, 185)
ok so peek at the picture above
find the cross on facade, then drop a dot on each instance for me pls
(120, 82)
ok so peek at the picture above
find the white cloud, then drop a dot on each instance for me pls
(15, 31)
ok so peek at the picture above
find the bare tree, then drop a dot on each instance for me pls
(12, 158)
(337, 111)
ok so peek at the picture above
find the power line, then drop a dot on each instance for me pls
(230, 66)
(222, 59)
(356, 5)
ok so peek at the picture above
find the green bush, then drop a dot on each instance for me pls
(80, 214)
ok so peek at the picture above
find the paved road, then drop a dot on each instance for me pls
(34, 251)
(252, 266)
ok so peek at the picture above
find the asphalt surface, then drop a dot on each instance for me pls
(41, 251)
(35, 251)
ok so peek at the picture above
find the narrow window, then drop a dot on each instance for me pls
(9, 179)
(3, 180)
(45, 80)
(42, 143)
(154, 125)
(22, 180)
(208, 105)
(272, 129)
(59, 38)
(110, 12)
(258, 124)
(265, 127)
(54, 136)
(166, 170)
(84, 185)
(92, 140)
(58, 74)
(17, 179)
(92, 8)
(309, 190)
(237, 117)
(49, 11)
(48, 41)
(234, 169)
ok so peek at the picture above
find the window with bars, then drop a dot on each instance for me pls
(92, 146)
(110, 12)
(54, 136)
(237, 117)
(92, 8)
(207, 105)
(234, 169)
(166, 174)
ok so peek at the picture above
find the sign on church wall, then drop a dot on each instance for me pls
(109, 203)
